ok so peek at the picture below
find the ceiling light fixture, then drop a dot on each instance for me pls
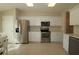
(51, 4)
(30, 4)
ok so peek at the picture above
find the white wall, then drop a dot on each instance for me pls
(9, 24)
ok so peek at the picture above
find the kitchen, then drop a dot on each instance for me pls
(56, 18)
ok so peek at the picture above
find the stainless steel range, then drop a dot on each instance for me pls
(45, 33)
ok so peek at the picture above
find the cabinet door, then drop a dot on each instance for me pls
(35, 22)
(35, 36)
(56, 21)
(66, 42)
(73, 46)
(74, 16)
(56, 36)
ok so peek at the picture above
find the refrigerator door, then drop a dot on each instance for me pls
(24, 32)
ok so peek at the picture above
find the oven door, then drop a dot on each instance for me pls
(45, 37)
(45, 34)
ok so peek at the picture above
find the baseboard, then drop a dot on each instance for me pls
(40, 42)
(56, 42)
(34, 42)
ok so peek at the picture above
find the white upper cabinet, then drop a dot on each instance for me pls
(74, 16)
(36, 20)
(56, 21)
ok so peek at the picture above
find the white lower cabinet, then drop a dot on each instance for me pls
(66, 42)
(56, 36)
(35, 36)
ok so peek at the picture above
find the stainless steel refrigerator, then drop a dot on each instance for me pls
(23, 29)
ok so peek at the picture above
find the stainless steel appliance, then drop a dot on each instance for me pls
(45, 37)
(45, 33)
(23, 29)
(45, 23)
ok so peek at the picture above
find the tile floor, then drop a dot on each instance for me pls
(36, 49)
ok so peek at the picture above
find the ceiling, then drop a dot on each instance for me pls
(38, 7)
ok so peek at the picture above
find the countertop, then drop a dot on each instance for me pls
(74, 35)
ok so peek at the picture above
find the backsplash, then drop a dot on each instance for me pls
(51, 28)
(35, 28)
(55, 28)
(76, 29)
